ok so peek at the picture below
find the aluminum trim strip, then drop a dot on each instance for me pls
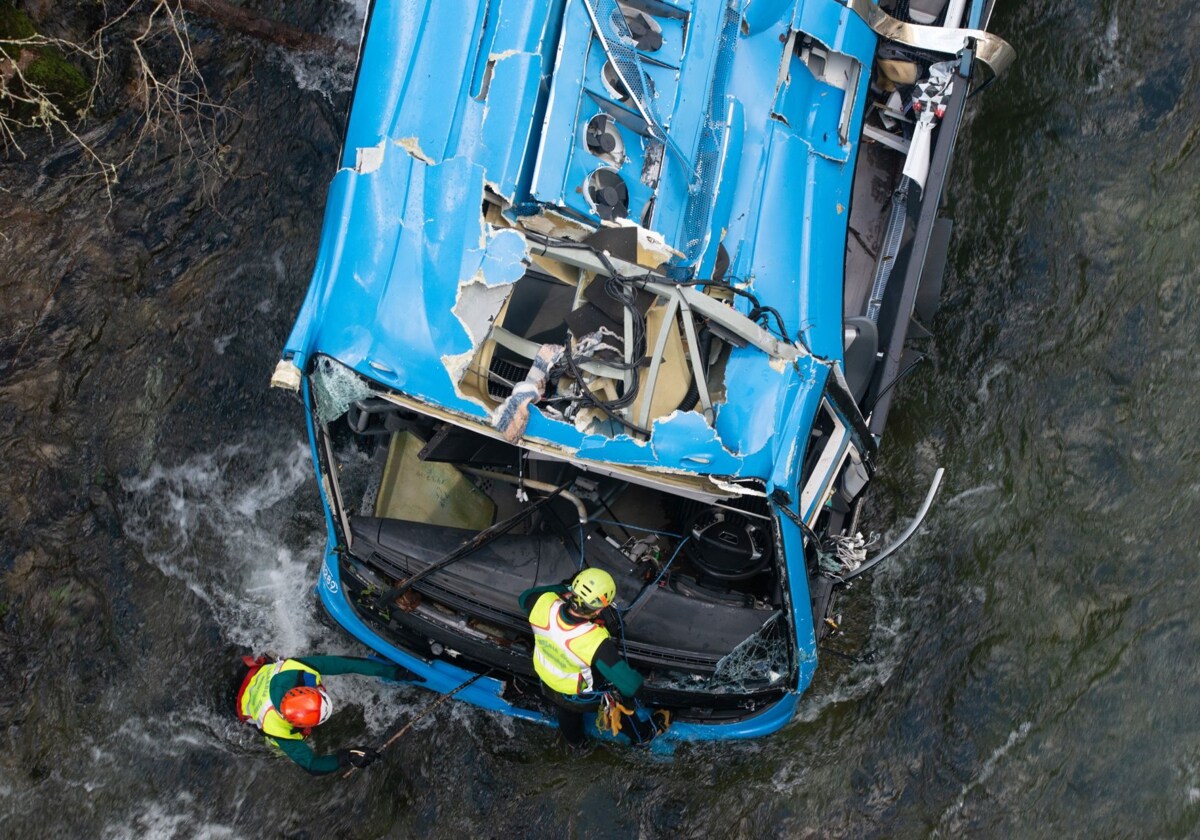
(990, 50)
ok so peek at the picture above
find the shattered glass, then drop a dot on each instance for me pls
(335, 387)
(761, 659)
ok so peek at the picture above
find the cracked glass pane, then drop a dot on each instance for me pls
(335, 386)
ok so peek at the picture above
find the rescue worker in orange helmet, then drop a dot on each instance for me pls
(286, 698)
(577, 660)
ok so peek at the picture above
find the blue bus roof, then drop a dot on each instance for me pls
(461, 102)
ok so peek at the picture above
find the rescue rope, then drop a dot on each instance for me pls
(629, 527)
(427, 710)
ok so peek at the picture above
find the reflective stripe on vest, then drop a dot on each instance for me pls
(255, 702)
(562, 652)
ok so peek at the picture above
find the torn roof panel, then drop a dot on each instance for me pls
(423, 66)
(457, 101)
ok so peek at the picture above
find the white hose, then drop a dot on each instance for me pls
(908, 532)
(536, 485)
(954, 14)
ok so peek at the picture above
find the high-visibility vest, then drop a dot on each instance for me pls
(255, 701)
(563, 652)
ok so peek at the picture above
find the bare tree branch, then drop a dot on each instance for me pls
(174, 102)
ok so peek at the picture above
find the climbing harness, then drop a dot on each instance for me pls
(608, 715)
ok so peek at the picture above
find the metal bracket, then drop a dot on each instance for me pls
(992, 51)
(903, 538)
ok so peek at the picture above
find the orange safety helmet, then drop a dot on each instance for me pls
(306, 706)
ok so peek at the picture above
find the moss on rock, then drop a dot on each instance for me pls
(14, 24)
(45, 68)
(55, 74)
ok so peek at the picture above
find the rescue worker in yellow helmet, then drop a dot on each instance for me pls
(576, 658)
(286, 698)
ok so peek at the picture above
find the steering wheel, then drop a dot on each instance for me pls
(727, 545)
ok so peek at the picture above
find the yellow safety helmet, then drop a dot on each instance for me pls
(593, 589)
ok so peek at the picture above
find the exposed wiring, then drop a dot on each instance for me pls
(648, 588)
(618, 287)
(868, 409)
(848, 552)
(758, 311)
(627, 527)
(622, 289)
(770, 310)
(598, 402)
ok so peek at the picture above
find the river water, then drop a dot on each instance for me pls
(1027, 668)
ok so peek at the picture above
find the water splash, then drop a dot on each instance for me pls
(215, 522)
(158, 820)
(319, 72)
(1015, 737)
(888, 641)
(893, 606)
(970, 493)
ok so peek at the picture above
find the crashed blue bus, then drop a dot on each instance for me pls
(624, 285)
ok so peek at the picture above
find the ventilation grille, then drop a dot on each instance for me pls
(619, 43)
(506, 371)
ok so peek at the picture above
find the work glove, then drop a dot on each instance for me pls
(357, 757)
(402, 674)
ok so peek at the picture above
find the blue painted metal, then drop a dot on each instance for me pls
(436, 674)
(975, 16)
(399, 238)
(455, 99)
(443, 677)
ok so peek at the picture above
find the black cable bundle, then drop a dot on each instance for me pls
(757, 313)
(624, 290)
(621, 290)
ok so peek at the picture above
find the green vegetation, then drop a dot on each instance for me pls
(46, 72)
(14, 24)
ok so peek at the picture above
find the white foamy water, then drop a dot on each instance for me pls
(890, 634)
(325, 74)
(158, 820)
(1015, 737)
(886, 651)
(970, 493)
(216, 523)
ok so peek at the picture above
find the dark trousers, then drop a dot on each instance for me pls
(570, 714)
(570, 724)
(571, 720)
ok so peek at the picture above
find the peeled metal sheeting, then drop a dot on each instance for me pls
(991, 50)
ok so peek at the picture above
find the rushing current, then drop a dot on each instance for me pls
(1026, 667)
